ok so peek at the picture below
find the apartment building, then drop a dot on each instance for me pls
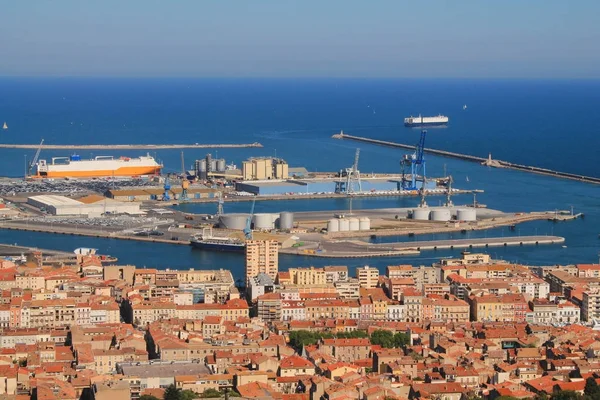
(368, 277)
(262, 256)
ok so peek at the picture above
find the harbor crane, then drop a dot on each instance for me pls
(416, 163)
(35, 158)
(352, 184)
(449, 192)
(220, 204)
(248, 228)
(166, 187)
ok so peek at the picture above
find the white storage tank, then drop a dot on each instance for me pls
(354, 224)
(344, 225)
(364, 224)
(441, 214)
(233, 221)
(466, 214)
(263, 221)
(420, 214)
(286, 220)
(333, 225)
(221, 165)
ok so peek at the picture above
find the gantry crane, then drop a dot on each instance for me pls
(416, 163)
(35, 158)
(248, 228)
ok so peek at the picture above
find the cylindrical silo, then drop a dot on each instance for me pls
(213, 165)
(466, 214)
(286, 220)
(365, 224)
(354, 224)
(441, 214)
(420, 214)
(233, 221)
(200, 167)
(344, 225)
(333, 225)
(263, 221)
(221, 165)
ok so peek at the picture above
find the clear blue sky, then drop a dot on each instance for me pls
(281, 38)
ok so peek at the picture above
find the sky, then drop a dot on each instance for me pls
(304, 38)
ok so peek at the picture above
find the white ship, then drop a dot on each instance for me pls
(101, 166)
(420, 120)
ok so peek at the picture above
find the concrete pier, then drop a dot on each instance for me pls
(128, 146)
(481, 160)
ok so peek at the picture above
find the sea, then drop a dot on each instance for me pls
(552, 124)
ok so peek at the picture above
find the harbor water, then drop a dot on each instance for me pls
(550, 124)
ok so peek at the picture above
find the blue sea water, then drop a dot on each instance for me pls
(551, 124)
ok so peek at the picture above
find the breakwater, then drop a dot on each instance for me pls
(481, 160)
(128, 146)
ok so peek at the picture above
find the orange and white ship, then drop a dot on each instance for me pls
(100, 166)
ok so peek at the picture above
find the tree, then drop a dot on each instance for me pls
(172, 393)
(401, 339)
(148, 397)
(189, 395)
(592, 389)
(211, 394)
(383, 338)
(565, 395)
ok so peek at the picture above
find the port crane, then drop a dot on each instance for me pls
(352, 183)
(166, 187)
(220, 204)
(35, 158)
(416, 163)
(248, 228)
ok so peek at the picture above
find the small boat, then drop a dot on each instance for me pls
(465, 107)
(4, 126)
(564, 247)
(468, 179)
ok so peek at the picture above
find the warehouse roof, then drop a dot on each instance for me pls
(55, 200)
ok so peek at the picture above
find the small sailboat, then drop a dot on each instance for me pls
(465, 107)
(4, 126)
(468, 179)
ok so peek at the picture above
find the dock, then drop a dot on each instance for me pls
(129, 146)
(360, 249)
(481, 160)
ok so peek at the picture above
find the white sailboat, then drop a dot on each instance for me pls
(4, 126)
(468, 179)
(465, 107)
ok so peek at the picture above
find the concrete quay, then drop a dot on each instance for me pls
(128, 146)
(360, 249)
(481, 160)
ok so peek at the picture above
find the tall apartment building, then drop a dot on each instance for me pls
(368, 277)
(262, 256)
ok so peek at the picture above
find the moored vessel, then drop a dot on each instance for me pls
(100, 166)
(206, 241)
(421, 120)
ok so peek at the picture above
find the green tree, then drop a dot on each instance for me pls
(506, 398)
(592, 389)
(383, 338)
(172, 393)
(401, 339)
(148, 397)
(211, 394)
(233, 393)
(565, 395)
(189, 395)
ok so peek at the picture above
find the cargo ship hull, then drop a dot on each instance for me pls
(74, 167)
(223, 247)
(425, 121)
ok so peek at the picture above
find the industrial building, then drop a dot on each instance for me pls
(293, 186)
(89, 206)
(264, 168)
(145, 194)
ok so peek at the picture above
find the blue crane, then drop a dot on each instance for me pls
(166, 187)
(248, 228)
(416, 163)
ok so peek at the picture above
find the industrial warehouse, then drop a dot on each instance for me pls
(90, 206)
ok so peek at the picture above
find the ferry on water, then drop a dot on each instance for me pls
(101, 166)
(206, 241)
(421, 120)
